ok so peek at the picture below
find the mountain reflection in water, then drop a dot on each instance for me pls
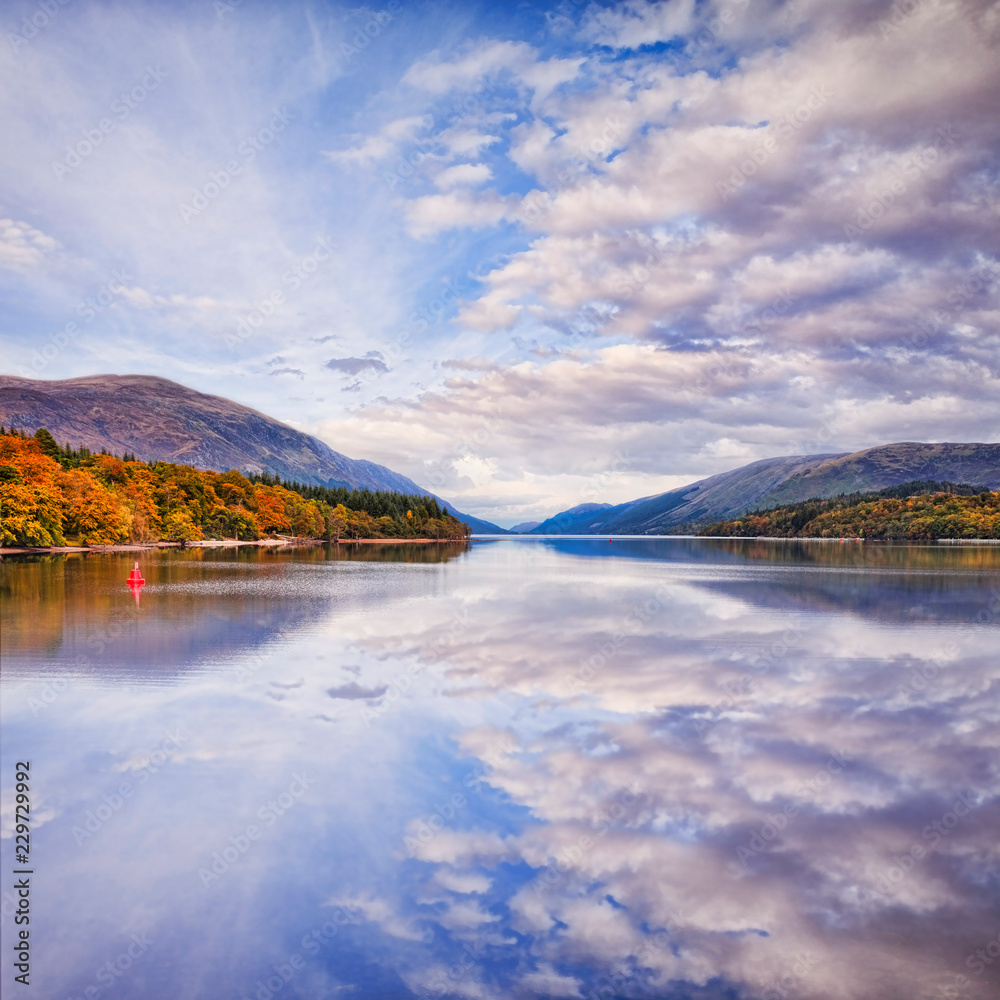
(536, 768)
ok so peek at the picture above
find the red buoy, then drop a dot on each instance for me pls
(135, 583)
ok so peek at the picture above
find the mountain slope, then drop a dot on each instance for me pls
(158, 419)
(891, 465)
(774, 481)
(523, 527)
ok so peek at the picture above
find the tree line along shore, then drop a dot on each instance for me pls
(53, 496)
(919, 510)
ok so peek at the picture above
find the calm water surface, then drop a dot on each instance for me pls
(567, 768)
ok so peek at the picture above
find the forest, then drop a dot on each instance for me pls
(52, 495)
(917, 510)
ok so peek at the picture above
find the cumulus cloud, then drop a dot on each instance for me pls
(532, 421)
(515, 59)
(806, 235)
(381, 145)
(437, 213)
(684, 233)
(641, 22)
(22, 246)
(461, 174)
(721, 736)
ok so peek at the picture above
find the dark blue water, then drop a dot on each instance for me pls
(659, 768)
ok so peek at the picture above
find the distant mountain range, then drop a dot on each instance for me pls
(157, 419)
(775, 481)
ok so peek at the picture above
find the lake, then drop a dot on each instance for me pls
(672, 768)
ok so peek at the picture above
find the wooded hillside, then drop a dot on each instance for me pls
(916, 510)
(51, 495)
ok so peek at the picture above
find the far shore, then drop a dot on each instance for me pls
(223, 544)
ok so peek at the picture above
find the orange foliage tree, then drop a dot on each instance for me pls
(51, 495)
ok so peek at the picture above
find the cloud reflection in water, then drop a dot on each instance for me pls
(654, 769)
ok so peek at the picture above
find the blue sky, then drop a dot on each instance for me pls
(528, 254)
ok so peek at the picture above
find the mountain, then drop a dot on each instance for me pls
(920, 509)
(523, 527)
(157, 419)
(775, 481)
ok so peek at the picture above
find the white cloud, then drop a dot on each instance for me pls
(439, 76)
(641, 22)
(382, 145)
(22, 247)
(700, 722)
(688, 205)
(436, 213)
(470, 174)
(463, 882)
(550, 983)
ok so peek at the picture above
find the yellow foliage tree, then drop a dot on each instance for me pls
(92, 514)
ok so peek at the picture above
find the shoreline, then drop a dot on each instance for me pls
(224, 543)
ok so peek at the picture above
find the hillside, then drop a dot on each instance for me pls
(890, 465)
(159, 420)
(51, 496)
(775, 481)
(918, 510)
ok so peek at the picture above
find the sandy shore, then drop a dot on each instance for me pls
(225, 543)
